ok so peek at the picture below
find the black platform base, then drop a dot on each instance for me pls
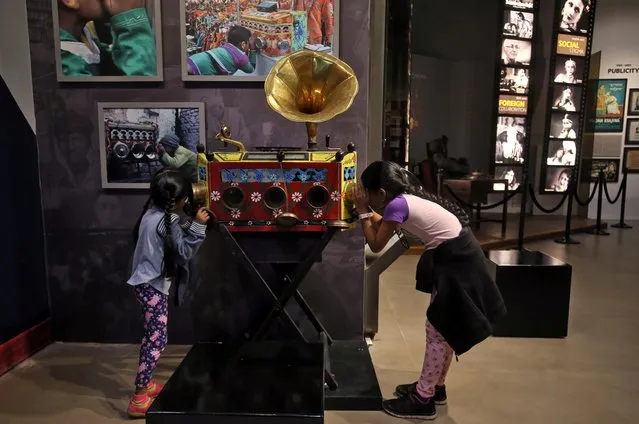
(268, 382)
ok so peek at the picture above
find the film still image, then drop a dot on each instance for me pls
(513, 174)
(632, 131)
(564, 126)
(514, 80)
(567, 98)
(511, 138)
(518, 24)
(558, 179)
(243, 38)
(136, 142)
(569, 70)
(575, 15)
(516, 52)
(610, 168)
(562, 153)
(633, 101)
(520, 4)
(113, 40)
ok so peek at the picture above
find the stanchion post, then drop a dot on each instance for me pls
(566, 239)
(598, 230)
(622, 214)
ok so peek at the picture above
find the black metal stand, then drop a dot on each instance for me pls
(292, 274)
(622, 225)
(598, 230)
(566, 239)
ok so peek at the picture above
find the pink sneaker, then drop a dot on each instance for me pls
(153, 389)
(138, 405)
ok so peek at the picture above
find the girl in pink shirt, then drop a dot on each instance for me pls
(464, 299)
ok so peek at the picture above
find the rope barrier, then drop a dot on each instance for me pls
(590, 197)
(621, 189)
(541, 208)
(481, 208)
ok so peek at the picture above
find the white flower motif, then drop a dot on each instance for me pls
(277, 184)
(235, 213)
(234, 184)
(296, 197)
(256, 197)
(276, 212)
(231, 223)
(305, 222)
(268, 222)
(250, 223)
(317, 213)
(215, 196)
(336, 196)
(324, 223)
(316, 183)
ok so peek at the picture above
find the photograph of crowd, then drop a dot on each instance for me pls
(518, 24)
(137, 140)
(514, 80)
(511, 138)
(243, 39)
(108, 40)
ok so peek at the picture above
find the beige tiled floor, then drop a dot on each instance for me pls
(590, 377)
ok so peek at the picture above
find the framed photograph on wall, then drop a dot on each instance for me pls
(130, 134)
(108, 42)
(610, 168)
(631, 159)
(632, 131)
(633, 102)
(241, 40)
(610, 105)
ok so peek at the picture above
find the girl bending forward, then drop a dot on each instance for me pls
(464, 301)
(161, 242)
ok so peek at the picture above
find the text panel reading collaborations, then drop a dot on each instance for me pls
(520, 4)
(609, 107)
(110, 41)
(516, 52)
(241, 40)
(513, 105)
(557, 179)
(514, 80)
(512, 174)
(518, 24)
(572, 45)
(562, 153)
(511, 138)
(567, 98)
(575, 16)
(569, 70)
(130, 135)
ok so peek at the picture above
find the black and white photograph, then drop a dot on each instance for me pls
(511, 139)
(567, 98)
(513, 174)
(632, 131)
(557, 179)
(633, 102)
(564, 126)
(562, 153)
(139, 139)
(575, 15)
(569, 70)
(520, 4)
(514, 80)
(516, 52)
(518, 24)
(610, 168)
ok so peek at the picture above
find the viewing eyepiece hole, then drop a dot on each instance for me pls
(317, 196)
(275, 198)
(232, 198)
(121, 150)
(138, 151)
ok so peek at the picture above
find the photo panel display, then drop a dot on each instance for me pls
(631, 160)
(569, 70)
(564, 126)
(610, 105)
(610, 168)
(510, 140)
(516, 52)
(561, 153)
(113, 42)
(633, 102)
(558, 179)
(566, 98)
(518, 24)
(513, 174)
(514, 80)
(520, 4)
(632, 131)
(241, 40)
(574, 16)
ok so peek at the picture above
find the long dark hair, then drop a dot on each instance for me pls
(395, 180)
(168, 187)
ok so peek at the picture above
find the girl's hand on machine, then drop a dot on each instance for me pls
(202, 216)
(361, 198)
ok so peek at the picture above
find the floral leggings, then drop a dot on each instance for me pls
(155, 306)
(437, 361)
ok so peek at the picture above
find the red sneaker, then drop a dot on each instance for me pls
(153, 389)
(138, 405)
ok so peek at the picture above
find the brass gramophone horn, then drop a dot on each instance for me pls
(310, 87)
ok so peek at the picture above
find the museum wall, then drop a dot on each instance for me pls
(89, 228)
(615, 36)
